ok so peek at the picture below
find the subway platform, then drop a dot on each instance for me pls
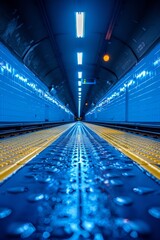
(79, 181)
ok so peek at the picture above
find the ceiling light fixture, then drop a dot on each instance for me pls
(79, 89)
(79, 108)
(79, 58)
(79, 74)
(80, 24)
(79, 83)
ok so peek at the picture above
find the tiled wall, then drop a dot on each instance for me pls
(136, 97)
(23, 97)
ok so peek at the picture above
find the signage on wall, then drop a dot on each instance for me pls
(88, 81)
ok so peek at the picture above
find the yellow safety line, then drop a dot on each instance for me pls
(33, 143)
(144, 151)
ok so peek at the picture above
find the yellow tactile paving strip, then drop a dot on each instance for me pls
(16, 151)
(144, 151)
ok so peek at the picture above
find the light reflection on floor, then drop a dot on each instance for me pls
(80, 187)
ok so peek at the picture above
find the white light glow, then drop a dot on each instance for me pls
(33, 84)
(80, 24)
(79, 108)
(143, 74)
(79, 89)
(79, 58)
(79, 74)
(155, 63)
(79, 83)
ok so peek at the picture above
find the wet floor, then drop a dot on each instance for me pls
(80, 187)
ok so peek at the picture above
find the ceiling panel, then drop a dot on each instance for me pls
(42, 34)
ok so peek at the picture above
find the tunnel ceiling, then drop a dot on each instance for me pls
(42, 34)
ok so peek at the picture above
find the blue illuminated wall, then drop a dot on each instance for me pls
(23, 97)
(136, 97)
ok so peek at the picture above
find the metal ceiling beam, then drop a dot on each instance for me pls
(52, 70)
(31, 47)
(54, 44)
(109, 70)
(127, 45)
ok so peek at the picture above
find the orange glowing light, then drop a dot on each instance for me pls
(106, 58)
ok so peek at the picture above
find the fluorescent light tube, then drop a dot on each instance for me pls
(79, 74)
(79, 108)
(79, 84)
(79, 58)
(80, 24)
